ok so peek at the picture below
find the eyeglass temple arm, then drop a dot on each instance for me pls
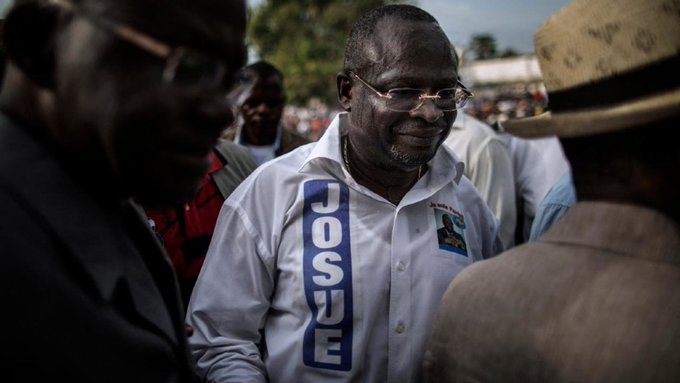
(148, 43)
(464, 88)
(387, 95)
(369, 86)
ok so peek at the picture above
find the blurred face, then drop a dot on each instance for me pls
(150, 134)
(262, 110)
(406, 55)
(448, 223)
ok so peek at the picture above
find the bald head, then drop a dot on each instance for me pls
(371, 29)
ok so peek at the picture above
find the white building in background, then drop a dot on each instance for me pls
(512, 70)
(503, 77)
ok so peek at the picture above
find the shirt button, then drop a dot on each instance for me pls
(417, 231)
(401, 266)
(400, 328)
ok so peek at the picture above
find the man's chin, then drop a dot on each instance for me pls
(415, 157)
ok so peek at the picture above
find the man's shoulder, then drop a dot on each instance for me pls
(470, 126)
(235, 156)
(237, 166)
(11, 134)
(230, 133)
(505, 269)
(22, 154)
(469, 191)
(469, 135)
(292, 139)
(280, 169)
(230, 149)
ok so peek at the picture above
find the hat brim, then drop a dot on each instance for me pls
(595, 121)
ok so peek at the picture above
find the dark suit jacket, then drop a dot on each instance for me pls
(87, 293)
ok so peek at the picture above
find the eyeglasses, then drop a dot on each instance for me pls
(410, 99)
(184, 67)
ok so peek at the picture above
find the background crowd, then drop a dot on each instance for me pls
(491, 105)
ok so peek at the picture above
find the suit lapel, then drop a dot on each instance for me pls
(96, 236)
(160, 267)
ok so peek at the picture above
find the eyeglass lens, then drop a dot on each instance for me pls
(194, 70)
(406, 99)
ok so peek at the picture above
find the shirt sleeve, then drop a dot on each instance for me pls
(230, 301)
(555, 204)
(546, 216)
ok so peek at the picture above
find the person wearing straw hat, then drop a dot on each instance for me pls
(597, 297)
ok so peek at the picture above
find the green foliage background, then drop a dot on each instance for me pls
(305, 39)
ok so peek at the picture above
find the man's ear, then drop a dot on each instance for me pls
(344, 91)
(29, 37)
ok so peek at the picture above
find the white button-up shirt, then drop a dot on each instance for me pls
(311, 277)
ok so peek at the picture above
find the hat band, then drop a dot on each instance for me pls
(659, 77)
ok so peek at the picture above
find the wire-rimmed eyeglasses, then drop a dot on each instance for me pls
(410, 99)
(183, 66)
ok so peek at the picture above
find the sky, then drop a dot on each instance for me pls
(511, 22)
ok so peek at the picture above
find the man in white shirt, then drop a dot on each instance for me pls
(489, 166)
(538, 163)
(325, 265)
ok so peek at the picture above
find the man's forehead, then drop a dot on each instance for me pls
(399, 44)
(395, 28)
(268, 87)
(394, 32)
(213, 25)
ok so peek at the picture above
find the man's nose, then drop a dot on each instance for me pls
(428, 111)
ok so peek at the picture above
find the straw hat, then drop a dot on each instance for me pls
(607, 65)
